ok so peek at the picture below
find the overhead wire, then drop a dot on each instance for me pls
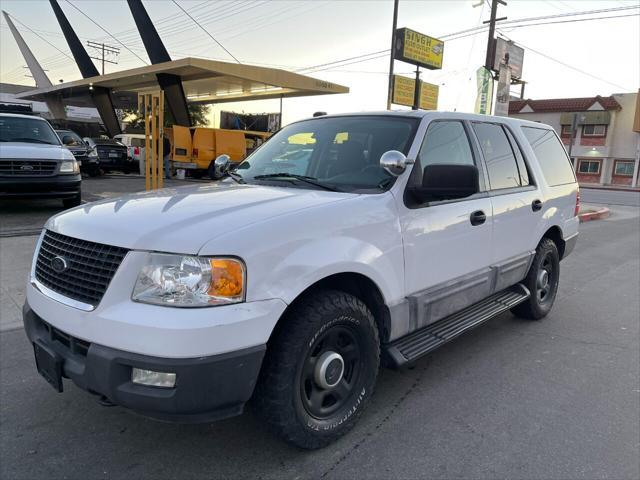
(205, 31)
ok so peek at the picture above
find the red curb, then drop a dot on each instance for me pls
(595, 186)
(597, 215)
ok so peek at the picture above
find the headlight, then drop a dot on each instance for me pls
(189, 281)
(93, 153)
(69, 166)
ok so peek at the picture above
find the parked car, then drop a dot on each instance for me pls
(112, 155)
(86, 157)
(34, 163)
(135, 143)
(287, 282)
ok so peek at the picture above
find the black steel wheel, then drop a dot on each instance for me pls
(542, 281)
(319, 370)
(331, 371)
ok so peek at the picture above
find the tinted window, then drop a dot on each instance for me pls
(137, 142)
(498, 155)
(343, 152)
(522, 166)
(551, 155)
(445, 143)
(27, 130)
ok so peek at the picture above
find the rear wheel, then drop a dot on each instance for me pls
(320, 369)
(542, 281)
(73, 201)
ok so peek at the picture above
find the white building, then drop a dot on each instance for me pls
(606, 143)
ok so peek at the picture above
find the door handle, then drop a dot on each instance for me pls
(478, 218)
(536, 205)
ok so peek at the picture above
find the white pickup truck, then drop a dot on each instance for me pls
(343, 242)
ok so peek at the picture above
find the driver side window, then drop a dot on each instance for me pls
(446, 142)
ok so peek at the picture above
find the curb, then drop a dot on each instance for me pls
(597, 215)
(611, 188)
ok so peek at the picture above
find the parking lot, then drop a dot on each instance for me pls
(558, 398)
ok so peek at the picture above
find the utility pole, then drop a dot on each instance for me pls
(392, 58)
(491, 41)
(106, 52)
(416, 90)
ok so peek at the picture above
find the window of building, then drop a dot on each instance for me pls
(594, 130)
(499, 157)
(551, 155)
(445, 143)
(566, 131)
(591, 167)
(623, 168)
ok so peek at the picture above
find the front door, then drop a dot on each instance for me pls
(447, 244)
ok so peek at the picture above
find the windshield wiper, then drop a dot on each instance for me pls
(30, 140)
(237, 177)
(303, 178)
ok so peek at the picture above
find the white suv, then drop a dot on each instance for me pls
(342, 241)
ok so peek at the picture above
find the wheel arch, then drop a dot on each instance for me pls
(358, 285)
(555, 235)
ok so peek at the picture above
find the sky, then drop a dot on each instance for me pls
(568, 59)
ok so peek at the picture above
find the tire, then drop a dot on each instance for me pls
(94, 172)
(72, 202)
(288, 395)
(543, 293)
(211, 171)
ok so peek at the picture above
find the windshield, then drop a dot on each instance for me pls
(29, 130)
(75, 138)
(341, 153)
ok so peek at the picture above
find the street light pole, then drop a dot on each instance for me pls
(392, 56)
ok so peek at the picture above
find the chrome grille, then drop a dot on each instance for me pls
(90, 266)
(27, 168)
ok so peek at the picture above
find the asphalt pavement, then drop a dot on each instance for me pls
(554, 399)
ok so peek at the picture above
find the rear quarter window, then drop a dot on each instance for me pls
(552, 157)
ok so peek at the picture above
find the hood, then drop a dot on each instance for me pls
(34, 151)
(182, 220)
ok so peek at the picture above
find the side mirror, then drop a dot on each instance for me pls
(221, 166)
(394, 162)
(447, 181)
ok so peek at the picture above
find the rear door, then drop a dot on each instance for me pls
(447, 244)
(516, 202)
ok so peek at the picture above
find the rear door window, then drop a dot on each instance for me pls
(498, 154)
(552, 157)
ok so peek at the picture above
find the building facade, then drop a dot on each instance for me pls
(602, 134)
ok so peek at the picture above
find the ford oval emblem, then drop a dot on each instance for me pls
(59, 264)
(26, 167)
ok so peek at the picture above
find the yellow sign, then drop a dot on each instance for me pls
(404, 88)
(418, 49)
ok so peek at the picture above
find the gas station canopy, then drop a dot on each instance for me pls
(204, 81)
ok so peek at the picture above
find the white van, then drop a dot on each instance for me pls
(135, 143)
(343, 241)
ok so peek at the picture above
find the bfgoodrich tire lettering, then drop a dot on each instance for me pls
(326, 326)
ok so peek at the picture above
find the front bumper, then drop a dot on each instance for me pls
(59, 186)
(207, 388)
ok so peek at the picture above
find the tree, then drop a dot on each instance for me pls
(198, 113)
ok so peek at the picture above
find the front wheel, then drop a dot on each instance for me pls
(319, 370)
(542, 281)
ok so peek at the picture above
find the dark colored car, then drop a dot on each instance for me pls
(33, 162)
(112, 155)
(88, 162)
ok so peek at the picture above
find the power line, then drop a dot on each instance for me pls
(574, 20)
(42, 38)
(202, 28)
(567, 65)
(105, 31)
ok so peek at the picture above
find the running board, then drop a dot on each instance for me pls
(421, 342)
